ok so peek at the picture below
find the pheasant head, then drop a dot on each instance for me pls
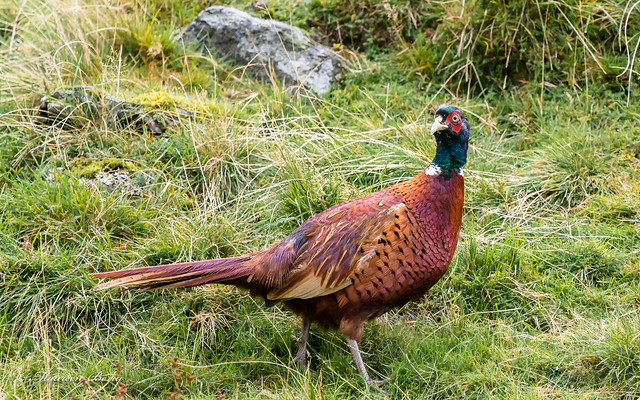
(451, 131)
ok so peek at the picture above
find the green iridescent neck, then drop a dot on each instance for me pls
(451, 154)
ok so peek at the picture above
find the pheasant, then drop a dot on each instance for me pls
(354, 261)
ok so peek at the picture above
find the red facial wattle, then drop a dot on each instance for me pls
(455, 126)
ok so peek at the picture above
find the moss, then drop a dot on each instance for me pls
(159, 99)
(87, 168)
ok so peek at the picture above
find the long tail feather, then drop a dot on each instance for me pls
(179, 275)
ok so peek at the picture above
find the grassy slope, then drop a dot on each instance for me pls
(542, 297)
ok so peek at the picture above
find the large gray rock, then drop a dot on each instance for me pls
(266, 47)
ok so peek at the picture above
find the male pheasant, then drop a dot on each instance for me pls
(354, 261)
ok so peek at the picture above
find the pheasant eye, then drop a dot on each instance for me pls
(455, 118)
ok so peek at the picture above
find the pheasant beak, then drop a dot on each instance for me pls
(438, 125)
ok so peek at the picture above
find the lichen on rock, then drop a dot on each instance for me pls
(87, 168)
(77, 105)
(108, 174)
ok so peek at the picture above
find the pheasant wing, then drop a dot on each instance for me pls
(337, 243)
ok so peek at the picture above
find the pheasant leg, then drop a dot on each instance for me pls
(357, 358)
(301, 355)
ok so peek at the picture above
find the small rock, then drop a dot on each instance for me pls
(76, 105)
(265, 47)
(72, 105)
(111, 181)
(107, 175)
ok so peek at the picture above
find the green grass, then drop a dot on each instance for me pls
(541, 300)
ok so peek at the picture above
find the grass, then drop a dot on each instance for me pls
(541, 300)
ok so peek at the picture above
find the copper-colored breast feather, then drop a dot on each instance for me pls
(413, 250)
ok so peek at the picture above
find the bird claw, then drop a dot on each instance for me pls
(377, 383)
(300, 359)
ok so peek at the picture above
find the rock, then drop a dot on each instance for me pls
(72, 103)
(117, 181)
(109, 181)
(266, 47)
(74, 106)
(112, 180)
(107, 175)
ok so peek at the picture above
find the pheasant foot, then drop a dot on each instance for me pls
(301, 356)
(357, 359)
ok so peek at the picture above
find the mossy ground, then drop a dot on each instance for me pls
(541, 300)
